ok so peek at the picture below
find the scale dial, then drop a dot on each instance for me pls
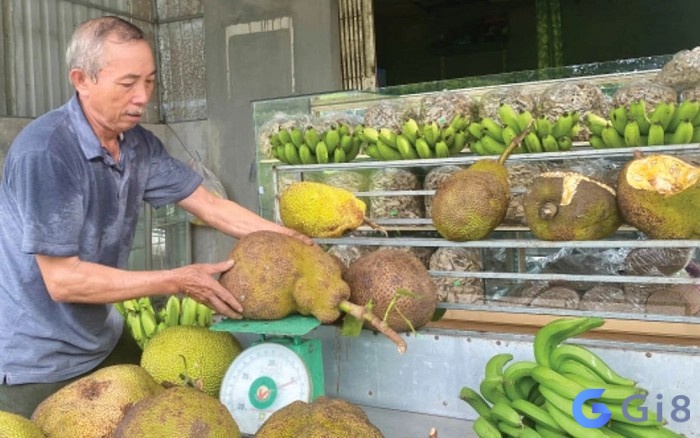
(261, 380)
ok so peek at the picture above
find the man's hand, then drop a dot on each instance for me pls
(197, 281)
(297, 235)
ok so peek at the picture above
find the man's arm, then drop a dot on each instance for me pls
(68, 279)
(230, 217)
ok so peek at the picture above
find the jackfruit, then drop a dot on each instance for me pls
(570, 206)
(16, 426)
(275, 275)
(325, 417)
(320, 210)
(178, 411)
(660, 196)
(190, 355)
(93, 405)
(398, 285)
(471, 203)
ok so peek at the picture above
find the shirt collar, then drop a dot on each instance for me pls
(87, 139)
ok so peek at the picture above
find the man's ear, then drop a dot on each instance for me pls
(79, 80)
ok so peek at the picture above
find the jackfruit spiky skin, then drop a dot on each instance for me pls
(93, 405)
(197, 353)
(320, 210)
(674, 214)
(471, 203)
(275, 275)
(381, 274)
(323, 418)
(569, 206)
(16, 426)
(178, 411)
(494, 168)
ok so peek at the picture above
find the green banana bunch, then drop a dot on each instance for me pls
(509, 117)
(431, 133)
(637, 111)
(411, 130)
(149, 323)
(331, 138)
(415, 141)
(311, 137)
(563, 125)
(663, 114)
(309, 146)
(173, 309)
(492, 129)
(618, 118)
(633, 126)
(133, 322)
(535, 398)
(188, 315)
(204, 315)
(491, 137)
(144, 321)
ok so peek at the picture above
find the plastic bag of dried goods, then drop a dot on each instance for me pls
(519, 98)
(395, 206)
(388, 114)
(442, 107)
(461, 290)
(651, 92)
(682, 71)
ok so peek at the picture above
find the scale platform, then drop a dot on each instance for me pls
(274, 371)
(293, 325)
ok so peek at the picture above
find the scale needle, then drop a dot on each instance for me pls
(286, 384)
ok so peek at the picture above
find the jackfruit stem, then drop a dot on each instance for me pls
(360, 312)
(375, 226)
(515, 143)
(548, 210)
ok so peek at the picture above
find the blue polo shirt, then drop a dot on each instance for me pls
(62, 194)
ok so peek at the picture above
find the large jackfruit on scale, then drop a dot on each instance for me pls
(275, 275)
(660, 196)
(471, 203)
(320, 210)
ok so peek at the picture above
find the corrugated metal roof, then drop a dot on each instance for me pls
(33, 39)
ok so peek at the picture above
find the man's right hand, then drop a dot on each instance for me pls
(197, 281)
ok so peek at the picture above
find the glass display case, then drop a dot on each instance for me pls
(510, 279)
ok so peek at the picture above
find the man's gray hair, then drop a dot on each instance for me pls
(87, 44)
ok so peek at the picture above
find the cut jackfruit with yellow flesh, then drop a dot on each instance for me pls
(660, 196)
(319, 210)
(569, 206)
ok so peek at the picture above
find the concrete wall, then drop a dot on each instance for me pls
(258, 49)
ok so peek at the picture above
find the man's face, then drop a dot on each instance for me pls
(117, 100)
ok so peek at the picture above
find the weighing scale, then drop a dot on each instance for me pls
(274, 371)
